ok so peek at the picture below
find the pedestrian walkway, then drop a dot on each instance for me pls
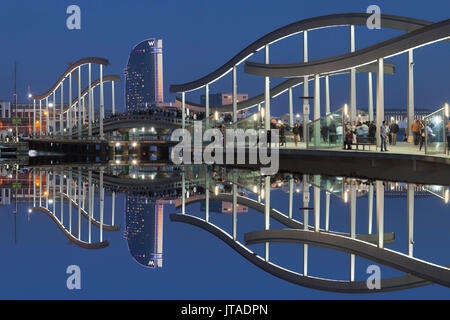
(402, 148)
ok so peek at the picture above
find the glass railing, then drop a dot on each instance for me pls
(332, 185)
(326, 132)
(435, 132)
(252, 121)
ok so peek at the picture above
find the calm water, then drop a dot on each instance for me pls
(148, 256)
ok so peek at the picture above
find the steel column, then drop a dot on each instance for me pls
(102, 104)
(306, 110)
(410, 94)
(352, 77)
(267, 94)
(234, 95)
(380, 97)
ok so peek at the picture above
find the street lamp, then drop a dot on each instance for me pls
(29, 113)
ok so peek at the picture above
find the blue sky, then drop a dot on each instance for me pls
(199, 36)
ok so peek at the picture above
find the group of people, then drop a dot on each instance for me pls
(284, 128)
(388, 132)
(163, 112)
(355, 129)
(418, 128)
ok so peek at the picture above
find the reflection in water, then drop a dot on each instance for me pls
(144, 230)
(75, 198)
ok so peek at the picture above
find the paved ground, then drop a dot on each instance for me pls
(399, 148)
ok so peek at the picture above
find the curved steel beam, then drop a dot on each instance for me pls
(93, 85)
(71, 68)
(436, 32)
(106, 227)
(334, 20)
(390, 284)
(389, 237)
(80, 243)
(419, 268)
(283, 87)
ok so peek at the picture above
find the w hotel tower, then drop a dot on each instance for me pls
(144, 75)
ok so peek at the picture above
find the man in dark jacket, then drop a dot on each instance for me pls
(394, 131)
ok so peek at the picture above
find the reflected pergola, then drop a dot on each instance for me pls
(68, 196)
(370, 246)
(73, 193)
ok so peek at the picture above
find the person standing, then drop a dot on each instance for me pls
(383, 133)
(282, 129)
(394, 132)
(296, 132)
(348, 140)
(422, 129)
(415, 129)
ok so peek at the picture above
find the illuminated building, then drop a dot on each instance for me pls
(222, 99)
(144, 230)
(223, 207)
(144, 75)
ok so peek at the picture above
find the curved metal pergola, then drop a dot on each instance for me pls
(80, 243)
(70, 69)
(335, 20)
(389, 284)
(426, 35)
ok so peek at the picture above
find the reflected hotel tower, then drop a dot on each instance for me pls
(144, 75)
(144, 230)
